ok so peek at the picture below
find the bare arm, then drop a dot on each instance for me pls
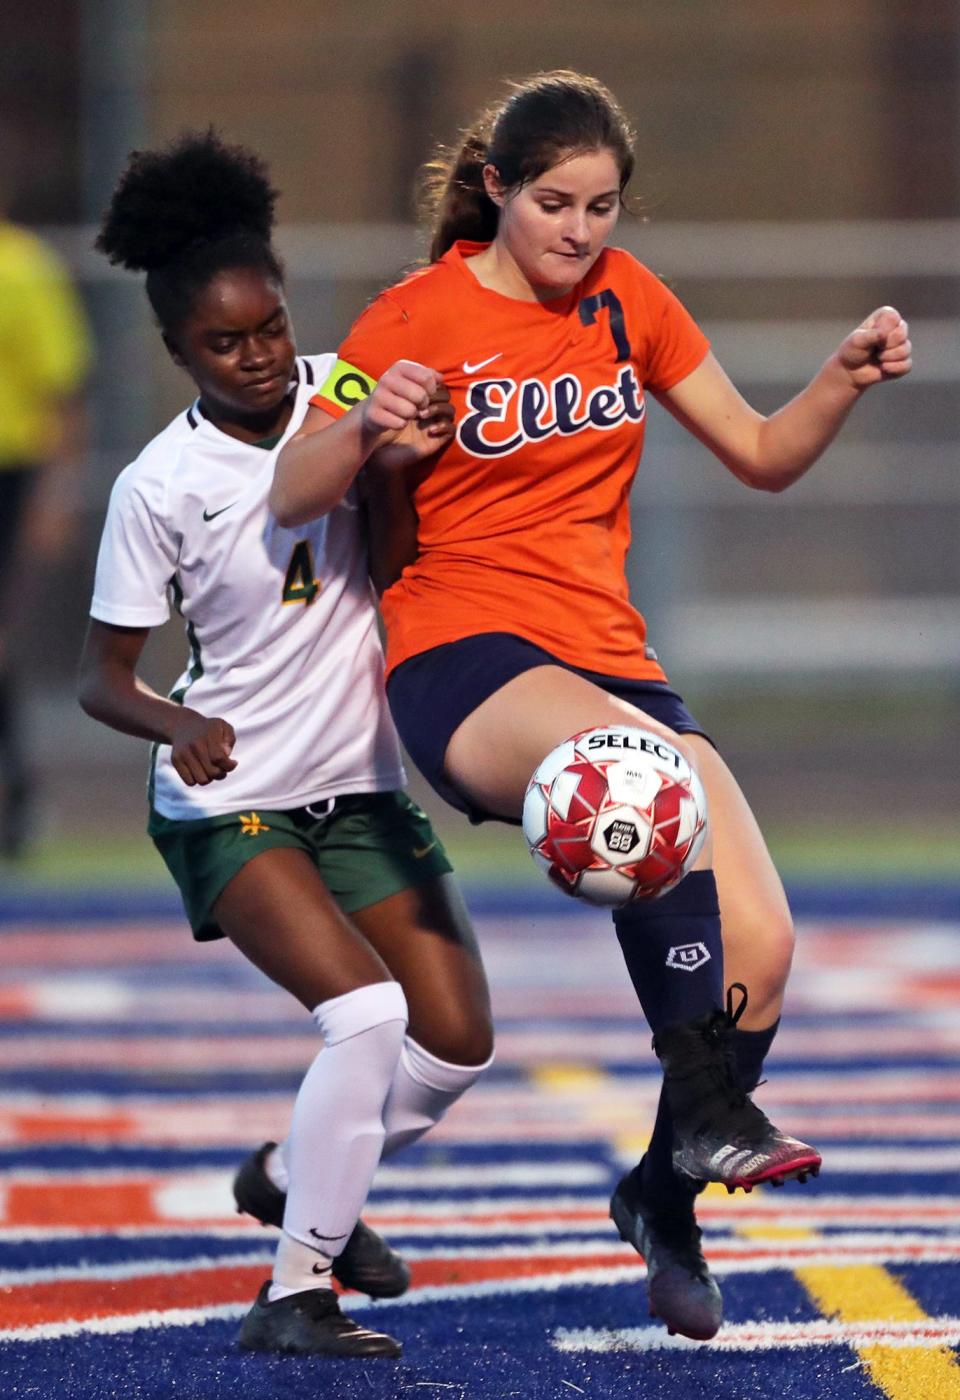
(408, 412)
(111, 691)
(772, 453)
(392, 523)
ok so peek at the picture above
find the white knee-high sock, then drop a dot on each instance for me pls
(337, 1133)
(423, 1089)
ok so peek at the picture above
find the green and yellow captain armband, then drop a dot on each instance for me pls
(343, 387)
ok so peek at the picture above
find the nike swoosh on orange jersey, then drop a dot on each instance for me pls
(468, 368)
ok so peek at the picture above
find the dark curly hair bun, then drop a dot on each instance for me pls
(186, 213)
(198, 190)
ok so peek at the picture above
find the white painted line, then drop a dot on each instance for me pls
(133, 1268)
(133, 1322)
(765, 1336)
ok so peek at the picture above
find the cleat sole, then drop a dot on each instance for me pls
(795, 1171)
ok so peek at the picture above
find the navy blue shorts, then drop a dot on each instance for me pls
(431, 695)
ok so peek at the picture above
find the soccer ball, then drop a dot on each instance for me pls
(615, 814)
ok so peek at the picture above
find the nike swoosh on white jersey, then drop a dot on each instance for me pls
(468, 368)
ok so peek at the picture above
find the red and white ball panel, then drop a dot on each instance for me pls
(615, 814)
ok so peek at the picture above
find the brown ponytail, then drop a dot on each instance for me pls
(454, 203)
(545, 117)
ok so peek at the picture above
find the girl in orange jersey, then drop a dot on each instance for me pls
(508, 617)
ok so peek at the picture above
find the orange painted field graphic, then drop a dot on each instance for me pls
(82, 1299)
(79, 1300)
(105, 1205)
(139, 1070)
(178, 1201)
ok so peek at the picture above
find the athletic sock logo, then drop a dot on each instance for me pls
(688, 957)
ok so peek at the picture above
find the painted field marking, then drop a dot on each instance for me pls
(572, 1078)
(858, 1294)
(225, 1288)
(81, 1300)
(908, 1338)
(131, 1322)
(570, 1056)
(33, 1308)
(60, 1274)
(890, 1220)
(861, 1294)
(185, 1197)
(556, 1104)
(530, 1117)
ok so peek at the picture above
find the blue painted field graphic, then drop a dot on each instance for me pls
(138, 1068)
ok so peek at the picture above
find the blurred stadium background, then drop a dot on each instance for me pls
(798, 165)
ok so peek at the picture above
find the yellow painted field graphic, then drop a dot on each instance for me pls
(569, 1078)
(775, 1232)
(591, 1098)
(870, 1293)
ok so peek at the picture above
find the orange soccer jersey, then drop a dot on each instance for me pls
(524, 519)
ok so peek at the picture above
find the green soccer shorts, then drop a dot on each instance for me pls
(369, 846)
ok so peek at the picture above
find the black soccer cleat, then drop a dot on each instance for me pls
(254, 1192)
(366, 1263)
(719, 1134)
(681, 1290)
(310, 1324)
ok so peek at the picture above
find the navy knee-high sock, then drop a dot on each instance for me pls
(674, 955)
(751, 1049)
(673, 951)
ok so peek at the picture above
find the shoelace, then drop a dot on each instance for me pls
(753, 1118)
(734, 1016)
(720, 1032)
(721, 1076)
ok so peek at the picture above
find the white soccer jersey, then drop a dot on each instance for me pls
(281, 622)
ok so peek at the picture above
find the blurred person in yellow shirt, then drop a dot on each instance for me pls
(45, 354)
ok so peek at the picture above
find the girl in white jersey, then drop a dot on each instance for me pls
(274, 784)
